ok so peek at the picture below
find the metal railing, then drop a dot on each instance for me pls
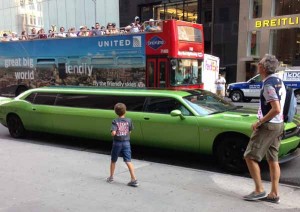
(146, 27)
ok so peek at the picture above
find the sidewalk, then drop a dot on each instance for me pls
(40, 178)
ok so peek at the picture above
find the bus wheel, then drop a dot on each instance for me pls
(15, 126)
(230, 153)
(20, 90)
(236, 96)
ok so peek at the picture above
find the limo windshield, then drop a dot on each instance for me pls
(203, 102)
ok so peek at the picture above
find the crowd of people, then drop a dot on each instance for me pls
(84, 31)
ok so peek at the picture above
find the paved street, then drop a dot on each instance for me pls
(39, 177)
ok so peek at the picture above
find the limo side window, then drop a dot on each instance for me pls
(133, 103)
(30, 98)
(78, 100)
(45, 98)
(165, 106)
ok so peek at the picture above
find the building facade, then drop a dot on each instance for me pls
(25, 14)
(268, 26)
(219, 18)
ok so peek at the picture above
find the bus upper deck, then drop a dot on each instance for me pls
(120, 60)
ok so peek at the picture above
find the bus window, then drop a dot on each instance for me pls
(102, 61)
(162, 74)
(62, 70)
(186, 33)
(130, 60)
(150, 73)
(185, 72)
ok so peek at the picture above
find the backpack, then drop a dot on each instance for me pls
(290, 105)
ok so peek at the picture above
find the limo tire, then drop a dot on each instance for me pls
(230, 153)
(15, 126)
(237, 96)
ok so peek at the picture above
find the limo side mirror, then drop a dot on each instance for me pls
(177, 113)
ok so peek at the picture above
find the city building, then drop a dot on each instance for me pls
(219, 18)
(268, 26)
(26, 14)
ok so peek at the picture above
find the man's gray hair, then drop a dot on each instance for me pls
(270, 63)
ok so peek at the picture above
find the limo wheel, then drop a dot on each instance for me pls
(230, 153)
(236, 96)
(15, 126)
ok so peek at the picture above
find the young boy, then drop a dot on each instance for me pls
(120, 130)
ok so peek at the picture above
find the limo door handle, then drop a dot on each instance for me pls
(146, 118)
(33, 108)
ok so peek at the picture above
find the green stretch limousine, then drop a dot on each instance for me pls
(188, 120)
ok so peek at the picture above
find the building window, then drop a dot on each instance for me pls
(256, 9)
(146, 13)
(253, 43)
(39, 7)
(184, 10)
(286, 7)
(40, 21)
(22, 3)
(224, 14)
(286, 50)
(207, 16)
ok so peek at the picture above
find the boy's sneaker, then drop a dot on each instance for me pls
(272, 199)
(133, 183)
(255, 196)
(110, 179)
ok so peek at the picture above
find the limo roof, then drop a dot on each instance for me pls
(128, 91)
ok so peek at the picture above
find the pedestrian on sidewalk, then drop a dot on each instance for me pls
(220, 86)
(120, 130)
(267, 131)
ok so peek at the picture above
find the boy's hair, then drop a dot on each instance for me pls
(120, 109)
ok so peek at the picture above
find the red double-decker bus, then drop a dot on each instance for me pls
(168, 57)
(175, 55)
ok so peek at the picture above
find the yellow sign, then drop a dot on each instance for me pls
(275, 22)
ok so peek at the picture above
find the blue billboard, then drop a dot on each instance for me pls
(106, 61)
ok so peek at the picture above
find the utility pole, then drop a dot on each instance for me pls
(212, 27)
(95, 2)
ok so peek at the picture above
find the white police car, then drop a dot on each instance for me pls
(245, 91)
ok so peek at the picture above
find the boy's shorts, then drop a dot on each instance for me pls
(265, 141)
(121, 148)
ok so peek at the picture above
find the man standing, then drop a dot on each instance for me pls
(267, 131)
(220, 86)
(151, 26)
(97, 30)
(134, 27)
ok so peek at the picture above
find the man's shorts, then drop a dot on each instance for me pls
(121, 148)
(265, 141)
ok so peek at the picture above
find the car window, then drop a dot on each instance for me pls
(77, 100)
(165, 106)
(206, 103)
(133, 103)
(30, 98)
(45, 98)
